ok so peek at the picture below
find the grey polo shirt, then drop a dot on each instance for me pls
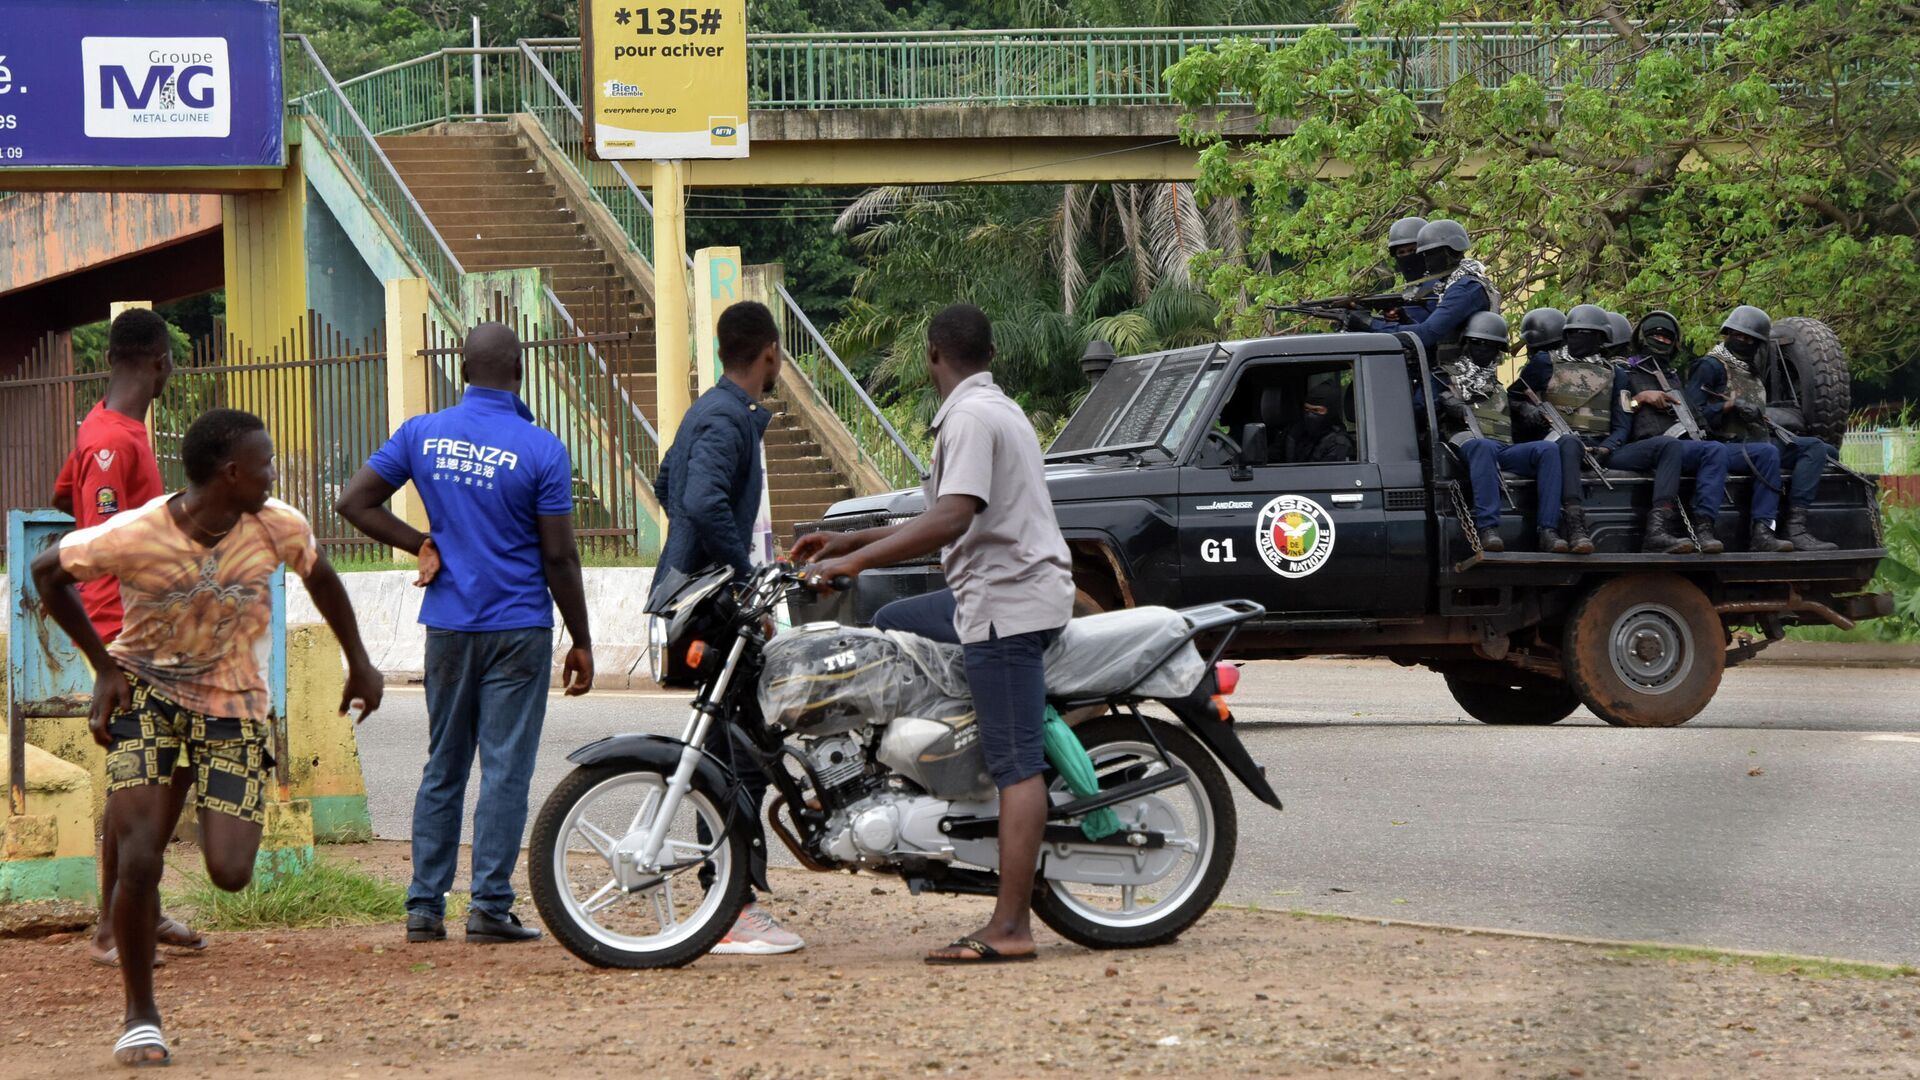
(1010, 571)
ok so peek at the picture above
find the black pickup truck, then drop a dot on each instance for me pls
(1172, 487)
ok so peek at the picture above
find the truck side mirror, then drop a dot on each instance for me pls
(1253, 451)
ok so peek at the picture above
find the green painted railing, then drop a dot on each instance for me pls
(543, 97)
(835, 388)
(312, 92)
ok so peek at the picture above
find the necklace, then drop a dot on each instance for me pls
(217, 536)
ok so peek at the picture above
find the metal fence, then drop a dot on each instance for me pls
(835, 387)
(578, 386)
(322, 396)
(1887, 451)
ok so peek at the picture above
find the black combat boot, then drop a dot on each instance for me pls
(1552, 542)
(1763, 538)
(1800, 538)
(1490, 541)
(1663, 536)
(1573, 522)
(1703, 534)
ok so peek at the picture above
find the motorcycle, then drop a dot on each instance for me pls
(642, 856)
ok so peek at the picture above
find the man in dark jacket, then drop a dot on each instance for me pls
(1318, 435)
(709, 485)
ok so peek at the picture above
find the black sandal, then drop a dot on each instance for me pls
(983, 953)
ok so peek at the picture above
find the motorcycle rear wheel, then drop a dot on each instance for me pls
(1093, 915)
(661, 920)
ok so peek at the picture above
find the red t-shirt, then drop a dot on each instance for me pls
(112, 468)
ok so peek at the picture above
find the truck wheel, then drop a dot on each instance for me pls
(1820, 371)
(1645, 651)
(1507, 695)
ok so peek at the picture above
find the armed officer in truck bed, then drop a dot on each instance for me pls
(1741, 392)
(1477, 418)
(1652, 429)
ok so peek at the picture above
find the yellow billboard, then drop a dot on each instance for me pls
(664, 83)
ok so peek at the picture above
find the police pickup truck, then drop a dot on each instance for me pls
(1173, 486)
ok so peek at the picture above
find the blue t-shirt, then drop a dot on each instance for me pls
(485, 472)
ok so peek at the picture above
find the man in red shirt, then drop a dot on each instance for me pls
(112, 468)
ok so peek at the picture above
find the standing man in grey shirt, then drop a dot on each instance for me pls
(1010, 593)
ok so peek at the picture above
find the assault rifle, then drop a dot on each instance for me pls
(1680, 409)
(1474, 428)
(1786, 435)
(1563, 430)
(1337, 308)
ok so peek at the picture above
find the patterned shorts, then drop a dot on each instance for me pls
(228, 755)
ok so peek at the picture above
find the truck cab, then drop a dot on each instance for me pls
(1183, 478)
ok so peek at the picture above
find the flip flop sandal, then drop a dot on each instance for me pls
(111, 958)
(138, 1038)
(175, 934)
(983, 953)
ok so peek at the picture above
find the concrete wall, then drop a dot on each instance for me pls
(388, 609)
(46, 235)
(347, 295)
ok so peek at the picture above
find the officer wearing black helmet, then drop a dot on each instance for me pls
(1619, 337)
(1734, 390)
(1403, 247)
(1642, 437)
(1469, 383)
(1463, 289)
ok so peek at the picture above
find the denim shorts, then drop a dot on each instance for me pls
(1006, 675)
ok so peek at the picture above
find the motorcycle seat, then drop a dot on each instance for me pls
(1099, 655)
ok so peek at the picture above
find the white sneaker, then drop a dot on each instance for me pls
(755, 933)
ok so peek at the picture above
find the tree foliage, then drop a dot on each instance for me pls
(1776, 162)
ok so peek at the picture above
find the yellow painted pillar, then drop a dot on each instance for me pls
(716, 285)
(264, 235)
(671, 357)
(407, 302)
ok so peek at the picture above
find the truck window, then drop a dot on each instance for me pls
(1142, 403)
(1307, 407)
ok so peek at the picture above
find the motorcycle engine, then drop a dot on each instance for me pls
(883, 828)
(840, 763)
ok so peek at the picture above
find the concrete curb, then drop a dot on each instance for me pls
(1900, 970)
(1839, 654)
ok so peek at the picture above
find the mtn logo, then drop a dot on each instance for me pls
(156, 88)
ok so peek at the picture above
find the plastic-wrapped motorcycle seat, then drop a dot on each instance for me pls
(823, 679)
(1105, 654)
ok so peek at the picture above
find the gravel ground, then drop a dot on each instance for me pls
(1244, 993)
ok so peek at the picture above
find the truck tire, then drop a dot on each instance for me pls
(1645, 650)
(1820, 371)
(1506, 695)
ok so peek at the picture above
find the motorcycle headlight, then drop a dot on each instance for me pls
(657, 648)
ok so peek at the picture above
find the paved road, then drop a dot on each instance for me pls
(1780, 819)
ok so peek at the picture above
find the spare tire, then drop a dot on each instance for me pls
(1820, 372)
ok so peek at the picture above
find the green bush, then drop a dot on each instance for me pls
(1899, 574)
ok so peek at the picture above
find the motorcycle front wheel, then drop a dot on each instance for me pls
(1196, 819)
(598, 900)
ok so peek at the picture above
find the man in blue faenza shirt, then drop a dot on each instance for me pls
(498, 492)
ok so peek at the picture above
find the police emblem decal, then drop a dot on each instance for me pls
(1294, 535)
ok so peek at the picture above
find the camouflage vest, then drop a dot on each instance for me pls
(1580, 389)
(1744, 385)
(1482, 392)
(1447, 353)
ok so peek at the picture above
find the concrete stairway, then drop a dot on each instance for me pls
(497, 210)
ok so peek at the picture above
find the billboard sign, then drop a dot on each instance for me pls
(664, 83)
(140, 84)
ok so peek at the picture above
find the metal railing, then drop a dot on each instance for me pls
(544, 98)
(312, 92)
(834, 387)
(1884, 451)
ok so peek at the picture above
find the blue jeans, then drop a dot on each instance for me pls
(1760, 460)
(486, 692)
(1546, 462)
(1007, 676)
(1667, 458)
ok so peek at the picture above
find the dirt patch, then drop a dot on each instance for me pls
(1242, 994)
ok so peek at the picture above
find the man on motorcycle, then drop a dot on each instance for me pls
(1011, 592)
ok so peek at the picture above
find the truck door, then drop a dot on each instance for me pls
(1303, 532)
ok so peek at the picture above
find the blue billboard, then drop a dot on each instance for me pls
(140, 84)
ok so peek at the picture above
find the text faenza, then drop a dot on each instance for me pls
(458, 448)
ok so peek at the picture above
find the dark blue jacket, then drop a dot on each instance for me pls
(1538, 373)
(1462, 301)
(1707, 391)
(709, 482)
